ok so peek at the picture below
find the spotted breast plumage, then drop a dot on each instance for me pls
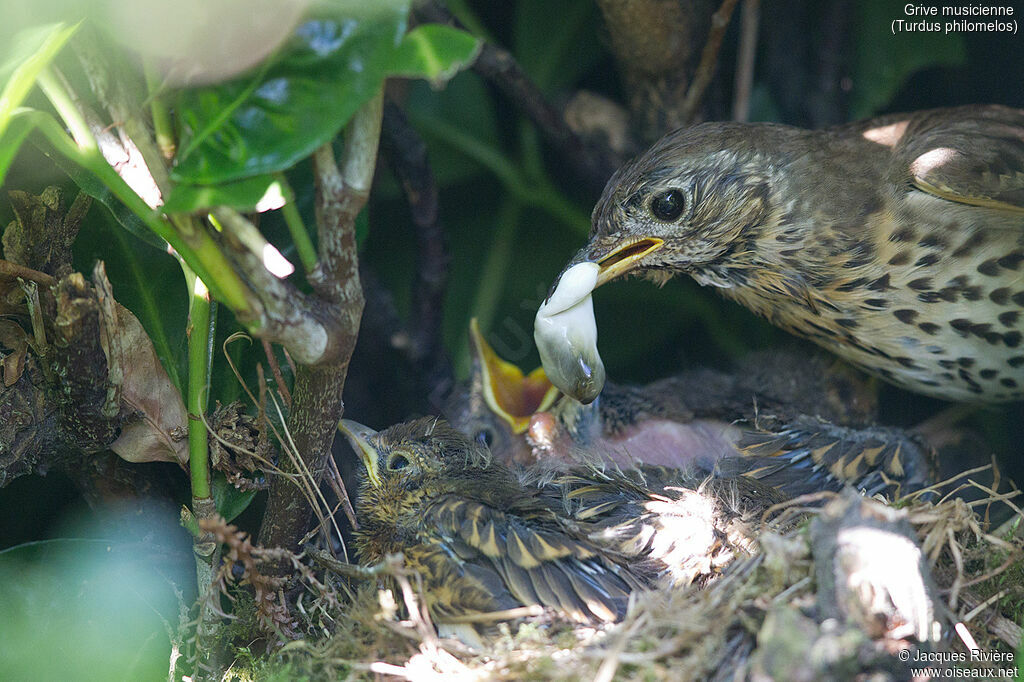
(896, 243)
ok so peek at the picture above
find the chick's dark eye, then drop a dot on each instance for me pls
(668, 206)
(398, 462)
(485, 437)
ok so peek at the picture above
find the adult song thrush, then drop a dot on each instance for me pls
(896, 243)
(487, 539)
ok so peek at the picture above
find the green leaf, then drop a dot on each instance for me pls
(297, 101)
(230, 501)
(435, 52)
(259, 193)
(11, 140)
(884, 61)
(32, 50)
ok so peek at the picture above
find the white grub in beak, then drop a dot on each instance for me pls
(566, 334)
(359, 437)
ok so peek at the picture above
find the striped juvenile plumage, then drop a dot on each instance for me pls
(486, 539)
(896, 243)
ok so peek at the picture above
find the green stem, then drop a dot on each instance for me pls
(192, 242)
(158, 109)
(200, 338)
(65, 106)
(297, 229)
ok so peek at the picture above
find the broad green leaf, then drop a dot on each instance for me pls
(435, 52)
(884, 61)
(298, 100)
(259, 193)
(230, 501)
(32, 50)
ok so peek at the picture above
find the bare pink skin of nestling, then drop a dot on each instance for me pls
(657, 442)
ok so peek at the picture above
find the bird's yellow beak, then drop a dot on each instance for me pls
(565, 330)
(359, 436)
(625, 258)
(507, 392)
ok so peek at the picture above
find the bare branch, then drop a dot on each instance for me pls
(408, 155)
(750, 17)
(708, 60)
(341, 195)
(594, 163)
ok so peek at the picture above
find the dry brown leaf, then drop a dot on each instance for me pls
(153, 435)
(13, 365)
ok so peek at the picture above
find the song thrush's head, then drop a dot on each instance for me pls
(420, 460)
(897, 243)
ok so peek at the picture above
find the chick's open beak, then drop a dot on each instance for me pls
(510, 394)
(359, 437)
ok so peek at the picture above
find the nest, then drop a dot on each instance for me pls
(842, 587)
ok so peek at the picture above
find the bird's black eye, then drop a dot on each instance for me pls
(668, 206)
(485, 437)
(398, 462)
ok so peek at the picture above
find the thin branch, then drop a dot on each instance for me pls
(595, 164)
(408, 155)
(111, 85)
(341, 194)
(9, 270)
(750, 17)
(708, 60)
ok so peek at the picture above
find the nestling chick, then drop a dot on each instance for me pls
(487, 540)
(482, 541)
(794, 423)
